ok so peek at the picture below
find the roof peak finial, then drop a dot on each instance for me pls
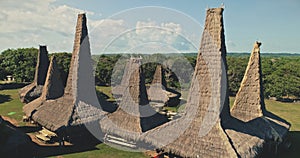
(222, 5)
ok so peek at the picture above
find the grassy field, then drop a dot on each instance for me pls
(10, 106)
(105, 151)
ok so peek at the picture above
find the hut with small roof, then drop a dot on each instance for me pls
(34, 90)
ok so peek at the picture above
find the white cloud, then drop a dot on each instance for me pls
(102, 32)
(31, 22)
(152, 37)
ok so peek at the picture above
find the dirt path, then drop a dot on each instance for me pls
(12, 121)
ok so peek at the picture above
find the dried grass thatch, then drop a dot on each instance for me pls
(79, 104)
(250, 112)
(118, 90)
(199, 130)
(158, 91)
(134, 114)
(34, 90)
(52, 89)
(249, 102)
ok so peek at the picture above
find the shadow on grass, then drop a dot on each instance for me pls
(294, 150)
(48, 151)
(5, 98)
(86, 142)
(29, 129)
(35, 150)
(107, 106)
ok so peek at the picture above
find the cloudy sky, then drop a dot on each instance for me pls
(148, 26)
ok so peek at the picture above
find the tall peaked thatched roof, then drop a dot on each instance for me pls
(134, 114)
(52, 89)
(79, 104)
(34, 90)
(253, 124)
(199, 130)
(81, 35)
(118, 90)
(249, 102)
(159, 77)
(159, 92)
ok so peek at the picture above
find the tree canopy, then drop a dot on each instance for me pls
(20, 63)
(281, 74)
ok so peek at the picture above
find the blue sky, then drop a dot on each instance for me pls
(30, 23)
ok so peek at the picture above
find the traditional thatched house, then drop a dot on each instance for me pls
(158, 91)
(52, 89)
(207, 129)
(134, 115)
(199, 132)
(79, 104)
(249, 108)
(118, 90)
(249, 102)
(34, 90)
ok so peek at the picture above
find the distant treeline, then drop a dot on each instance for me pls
(281, 72)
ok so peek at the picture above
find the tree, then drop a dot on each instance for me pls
(3, 72)
(284, 81)
(20, 63)
(104, 69)
(236, 69)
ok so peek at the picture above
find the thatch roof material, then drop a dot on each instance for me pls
(52, 89)
(202, 134)
(79, 104)
(159, 77)
(249, 102)
(134, 114)
(158, 91)
(34, 90)
(252, 120)
(118, 90)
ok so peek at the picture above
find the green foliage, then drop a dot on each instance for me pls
(149, 70)
(281, 74)
(282, 78)
(104, 69)
(20, 63)
(236, 70)
(3, 72)
(10, 102)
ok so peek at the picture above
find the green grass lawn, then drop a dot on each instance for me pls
(106, 151)
(287, 111)
(107, 91)
(11, 106)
